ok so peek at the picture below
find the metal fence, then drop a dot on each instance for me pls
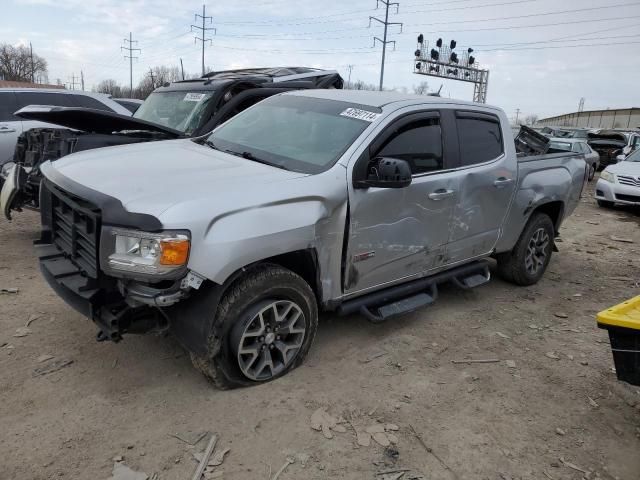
(620, 118)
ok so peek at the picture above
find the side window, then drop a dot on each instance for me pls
(7, 107)
(86, 102)
(41, 98)
(480, 140)
(419, 143)
(577, 148)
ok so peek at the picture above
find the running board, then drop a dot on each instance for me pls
(383, 305)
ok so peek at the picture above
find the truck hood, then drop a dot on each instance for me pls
(90, 120)
(625, 168)
(152, 177)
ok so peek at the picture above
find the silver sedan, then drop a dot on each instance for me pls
(578, 145)
(620, 183)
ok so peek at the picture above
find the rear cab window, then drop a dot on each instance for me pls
(479, 137)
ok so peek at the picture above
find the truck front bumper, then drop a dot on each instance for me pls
(114, 309)
(614, 192)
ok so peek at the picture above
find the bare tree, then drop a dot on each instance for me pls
(109, 86)
(16, 65)
(360, 85)
(530, 119)
(421, 89)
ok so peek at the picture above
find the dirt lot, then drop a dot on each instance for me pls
(561, 400)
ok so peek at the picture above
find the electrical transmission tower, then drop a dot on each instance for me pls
(128, 46)
(386, 24)
(73, 82)
(203, 32)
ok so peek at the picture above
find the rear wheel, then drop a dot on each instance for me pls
(527, 262)
(264, 328)
(605, 203)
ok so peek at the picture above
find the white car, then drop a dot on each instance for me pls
(13, 99)
(620, 183)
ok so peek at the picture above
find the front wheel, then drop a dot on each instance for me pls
(592, 172)
(527, 262)
(264, 328)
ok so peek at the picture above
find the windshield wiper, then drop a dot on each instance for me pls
(210, 144)
(253, 158)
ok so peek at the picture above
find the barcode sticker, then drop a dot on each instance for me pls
(360, 114)
(193, 97)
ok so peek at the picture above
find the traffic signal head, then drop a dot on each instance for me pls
(454, 57)
(470, 50)
(453, 44)
(417, 52)
(420, 38)
(435, 55)
(472, 60)
(418, 65)
(439, 43)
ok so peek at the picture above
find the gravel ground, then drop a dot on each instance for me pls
(550, 408)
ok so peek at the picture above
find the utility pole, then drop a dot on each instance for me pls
(203, 31)
(386, 24)
(33, 79)
(82, 80)
(517, 115)
(128, 46)
(153, 80)
(73, 81)
(182, 68)
(350, 67)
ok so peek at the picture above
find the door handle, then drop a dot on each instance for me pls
(502, 182)
(440, 194)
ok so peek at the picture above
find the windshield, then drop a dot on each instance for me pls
(561, 146)
(178, 110)
(292, 132)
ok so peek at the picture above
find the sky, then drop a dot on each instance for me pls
(543, 55)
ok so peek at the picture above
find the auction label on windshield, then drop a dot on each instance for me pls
(360, 114)
(193, 97)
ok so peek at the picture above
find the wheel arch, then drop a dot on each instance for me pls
(553, 209)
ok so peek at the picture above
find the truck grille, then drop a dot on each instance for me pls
(628, 180)
(75, 230)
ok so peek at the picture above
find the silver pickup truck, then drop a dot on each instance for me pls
(322, 200)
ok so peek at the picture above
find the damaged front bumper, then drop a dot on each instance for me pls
(116, 306)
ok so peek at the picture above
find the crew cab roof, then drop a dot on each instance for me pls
(380, 99)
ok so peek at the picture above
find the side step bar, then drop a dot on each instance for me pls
(380, 306)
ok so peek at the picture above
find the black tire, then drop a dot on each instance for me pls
(592, 172)
(516, 266)
(605, 204)
(255, 292)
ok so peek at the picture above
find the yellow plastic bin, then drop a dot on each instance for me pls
(623, 324)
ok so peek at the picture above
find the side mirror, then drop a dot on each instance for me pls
(384, 172)
(626, 150)
(620, 158)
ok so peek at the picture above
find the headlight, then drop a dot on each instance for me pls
(148, 253)
(608, 176)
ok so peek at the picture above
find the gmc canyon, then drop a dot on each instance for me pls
(333, 200)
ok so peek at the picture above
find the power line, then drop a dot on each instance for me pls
(384, 40)
(489, 29)
(128, 46)
(73, 81)
(474, 21)
(203, 31)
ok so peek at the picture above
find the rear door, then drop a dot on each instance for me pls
(10, 126)
(396, 234)
(487, 183)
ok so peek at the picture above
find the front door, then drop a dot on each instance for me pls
(395, 234)
(487, 182)
(10, 126)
